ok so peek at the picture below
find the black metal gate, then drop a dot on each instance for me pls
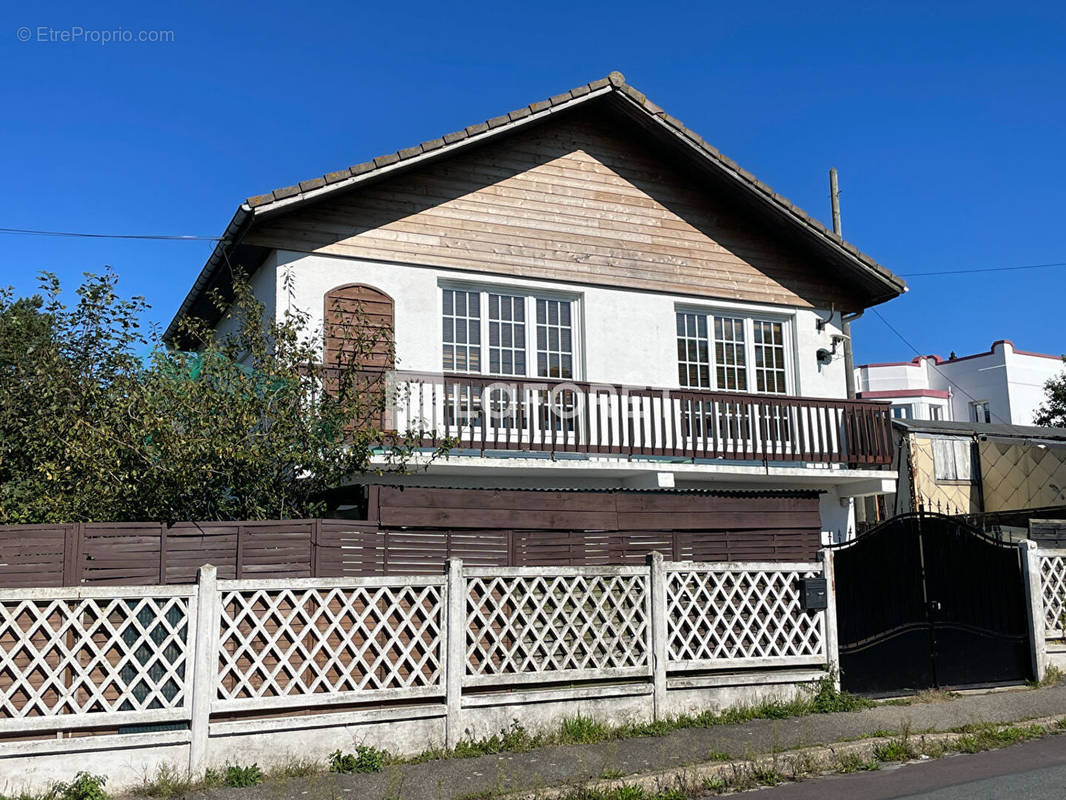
(925, 601)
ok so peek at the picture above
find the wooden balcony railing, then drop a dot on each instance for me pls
(543, 415)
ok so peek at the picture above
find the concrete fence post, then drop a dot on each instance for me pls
(202, 687)
(657, 632)
(832, 640)
(1034, 604)
(454, 651)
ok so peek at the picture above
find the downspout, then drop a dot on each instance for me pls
(849, 359)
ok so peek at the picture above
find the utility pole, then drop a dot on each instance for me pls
(845, 319)
(834, 194)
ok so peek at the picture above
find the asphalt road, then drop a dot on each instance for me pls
(1031, 771)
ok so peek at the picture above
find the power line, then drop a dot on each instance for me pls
(950, 382)
(169, 237)
(982, 269)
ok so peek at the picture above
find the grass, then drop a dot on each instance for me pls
(1052, 677)
(923, 698)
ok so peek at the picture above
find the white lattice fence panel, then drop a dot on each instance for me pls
(91, 656)
(720, 617)
(545, 624)
(291, 646)
(1053, 588)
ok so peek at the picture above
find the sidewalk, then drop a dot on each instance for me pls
(574, 764)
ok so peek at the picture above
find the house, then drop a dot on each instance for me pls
(627, 334)
(976, 468)
(1003, 386)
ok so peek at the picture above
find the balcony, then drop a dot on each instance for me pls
(548, 416)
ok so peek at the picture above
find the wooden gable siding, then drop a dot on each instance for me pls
(576, 199)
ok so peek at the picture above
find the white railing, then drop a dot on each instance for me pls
(122, 656)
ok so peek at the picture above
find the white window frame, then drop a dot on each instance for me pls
(749, 317)
(906, 411)
(530, 297)
(982, 404)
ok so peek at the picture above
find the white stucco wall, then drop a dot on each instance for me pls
(628, 336)
(1011, 381)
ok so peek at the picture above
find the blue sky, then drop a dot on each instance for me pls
(946, 120)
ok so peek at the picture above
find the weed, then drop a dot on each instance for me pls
(611, 773)
(85, 786)
(827, 699)
(580, 729)
(364, 759)
(853, 762)
(238, 777)
(169, 782)
(898, 749)
(991, 739)
(295, 767)
(717, 755)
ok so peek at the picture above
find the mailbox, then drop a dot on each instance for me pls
(813, 594)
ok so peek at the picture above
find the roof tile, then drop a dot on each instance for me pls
(519, 113)
(474, 130)
(339, 175)
(432, 144)
(410, 152)
(599, 83)
(260, 199)
(286, 191)
(455, 136)
(496, 122)
(540, 105)
(560, 99)
(314, 183)
(359, 169)
(580, 91)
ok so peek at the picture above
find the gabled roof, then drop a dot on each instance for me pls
(881, 283)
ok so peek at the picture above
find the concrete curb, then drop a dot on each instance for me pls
(804, 761)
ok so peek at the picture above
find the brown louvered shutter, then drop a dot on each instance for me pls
(358, 330)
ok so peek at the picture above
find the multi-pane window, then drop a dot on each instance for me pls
(769, 356)
(981, 411)
(462, 331)
(693, 355)
(507, 334)
(731, 353)
(901, 412)
(555, 341)
(523, 335)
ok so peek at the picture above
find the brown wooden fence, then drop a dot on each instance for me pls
(413, 531)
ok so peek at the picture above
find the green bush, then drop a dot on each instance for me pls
(364, 759)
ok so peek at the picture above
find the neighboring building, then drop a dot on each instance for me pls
(657, 324)
(1003, 386)
(963, 468)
